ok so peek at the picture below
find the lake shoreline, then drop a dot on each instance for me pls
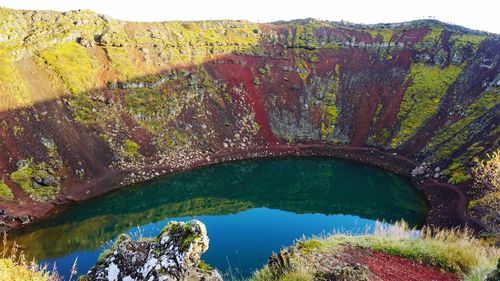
(447, 203)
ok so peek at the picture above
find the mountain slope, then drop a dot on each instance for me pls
(90, 103)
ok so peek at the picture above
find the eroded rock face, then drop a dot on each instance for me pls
(173, 255)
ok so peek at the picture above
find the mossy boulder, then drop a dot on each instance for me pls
(173, 255)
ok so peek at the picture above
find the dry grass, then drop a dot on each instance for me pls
(486, 191)
(454, 250)
(487, 174)
(14, 266)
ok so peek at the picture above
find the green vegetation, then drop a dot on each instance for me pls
(5, 192)
(303, 68)
(10, 269)
(457, 173)
(204, 266)
(13, 266)
(305, 55)
(24, 177)
(188, 42)
(256, 81)
(486, 190)
(298, 273)
(76, 67)
(13, 90)
(121, 238)
(423, 98)
(122, 61)
(329, 104)
(384, 135)
(265, 70)
(456, 251)
(330, 116)
(430, 39)
(131, 149)
(303, 36)
(385, 33)
(452, 137)
(308, 246)
(467, 40)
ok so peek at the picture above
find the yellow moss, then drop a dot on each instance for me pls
(74, 66)
(131, 148)
(462, 40)
(330, 110)
(385, 33)
(303, 69)
(430, 39)
(493, 197)
(24, 178)
(122, 61)
(13, 90)
(449, 133)
(5, 192)
(422, 98)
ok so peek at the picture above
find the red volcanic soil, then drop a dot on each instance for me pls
(394, 268)
(236, 75)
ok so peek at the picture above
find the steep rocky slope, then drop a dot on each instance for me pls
(89, 103)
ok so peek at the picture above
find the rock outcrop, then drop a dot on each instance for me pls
(173, 255)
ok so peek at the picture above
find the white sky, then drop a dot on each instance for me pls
(476, 14)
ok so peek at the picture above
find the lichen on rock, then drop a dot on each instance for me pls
(173, 255)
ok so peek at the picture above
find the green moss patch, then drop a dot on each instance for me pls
(450, 138)
(303, 36)
(24, 178)
(131, 149)
(308, 246)
(13, 90)
(430, 39)
(422, 98)
(122, 60)
(331, 113)
(385, 33)
(74, 66)
(467, 40)
(5, 192)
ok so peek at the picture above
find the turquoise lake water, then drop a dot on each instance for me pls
(251, 208)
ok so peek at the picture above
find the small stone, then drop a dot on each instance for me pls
(21, 163)
(37, 179)
(48, 180)
(35, 185)
(24, 219)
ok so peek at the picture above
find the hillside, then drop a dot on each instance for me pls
(89, 103)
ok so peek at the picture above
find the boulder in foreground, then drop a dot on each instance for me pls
(173, 255)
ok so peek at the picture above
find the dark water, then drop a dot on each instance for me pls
(250, 208)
